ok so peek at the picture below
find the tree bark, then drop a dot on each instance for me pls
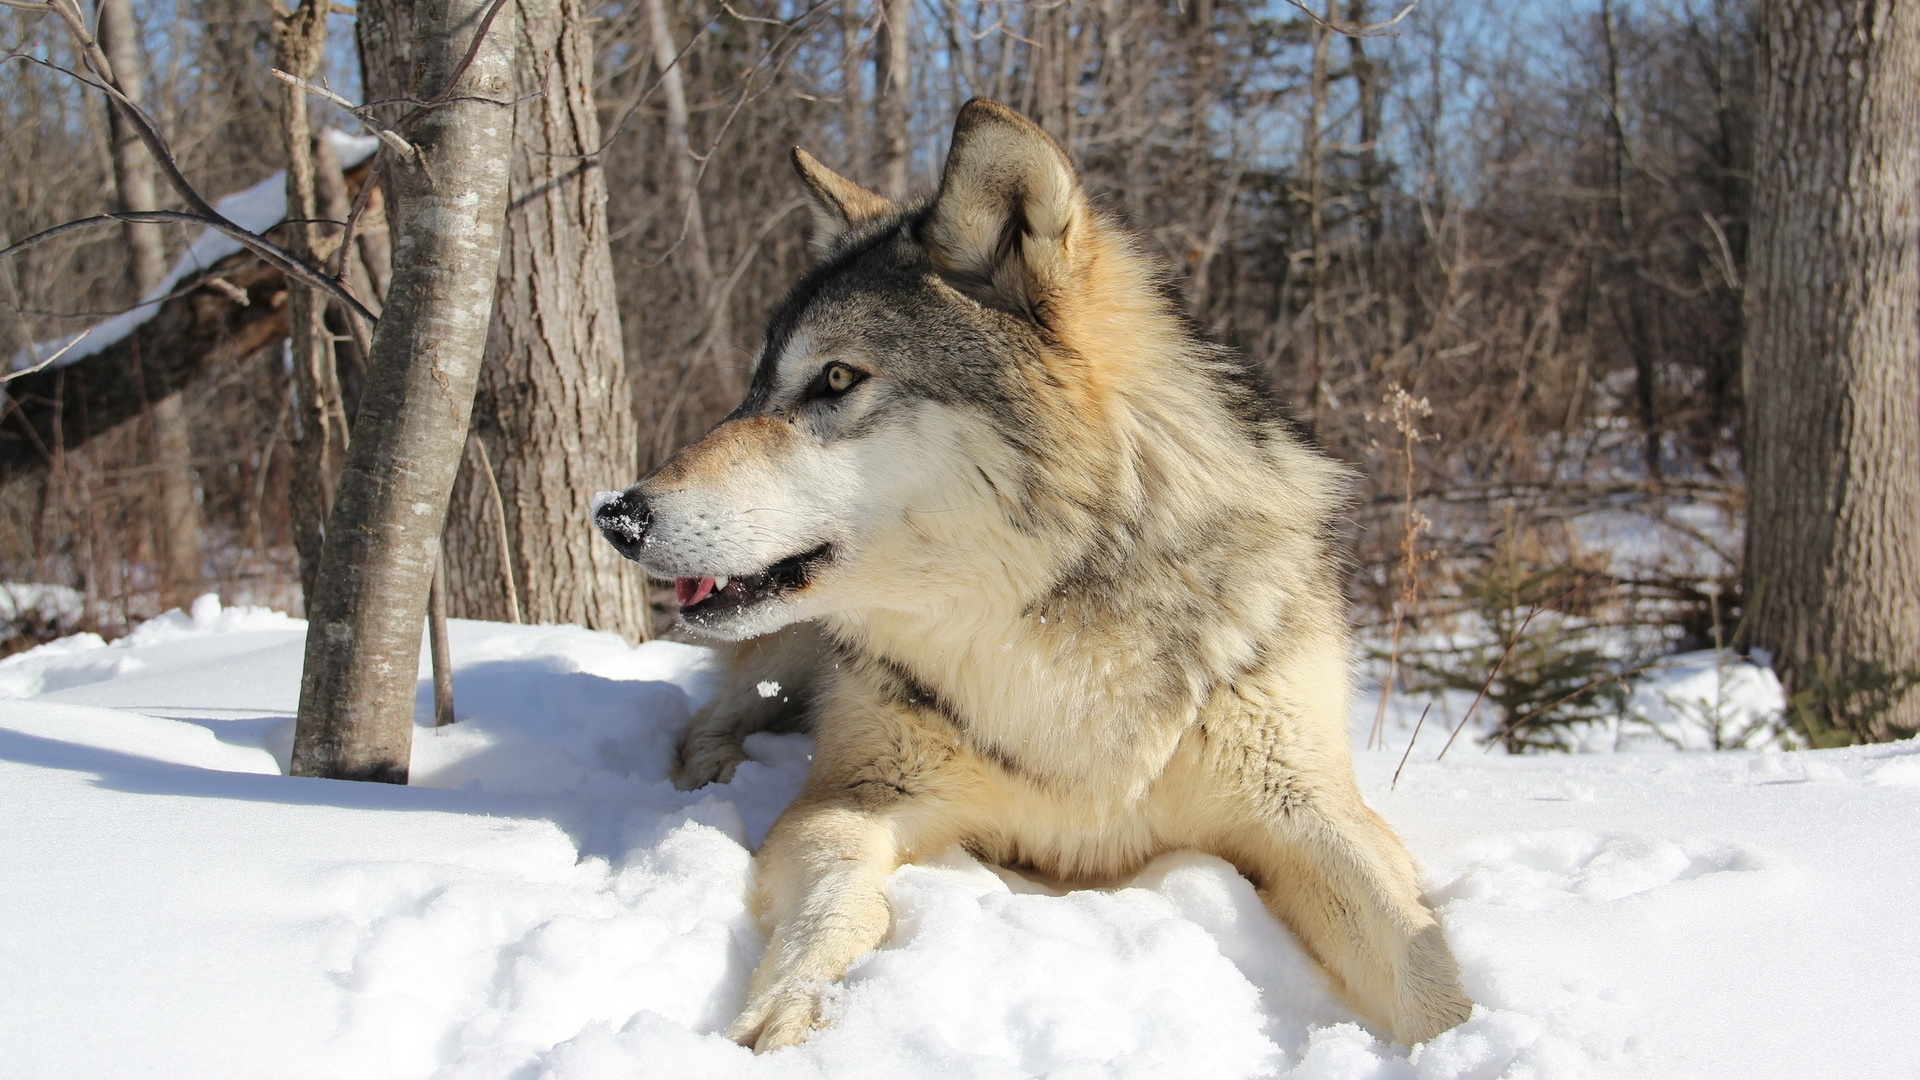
(176, 490)
(383, 537)
(666, 56)
(1831, 365)
(320, 429)
(553, 419)
(891, 79)
(1314, 374)
(1630, 301)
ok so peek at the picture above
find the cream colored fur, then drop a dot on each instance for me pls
(1189, 693)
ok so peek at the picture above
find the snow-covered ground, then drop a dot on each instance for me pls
(542, 903)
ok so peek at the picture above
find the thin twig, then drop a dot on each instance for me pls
(1354, 29)
(500, 509)
(276, 256)
(338, 265)
(1590, 686)
(386, 135)
(48, 361)
(1511, 645)
(1410, 742)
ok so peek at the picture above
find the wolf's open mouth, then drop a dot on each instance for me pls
(712, 595)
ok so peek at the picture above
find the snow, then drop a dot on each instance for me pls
(542, 904)
(57, 605)
(256, 209)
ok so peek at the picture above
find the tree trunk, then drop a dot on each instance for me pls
(176, 490)
(666, 56)
(1832, 365)
(320, 429)
(383, 537)
(553, 421)
(1313, 373)
(891, 78)
(1632, 305)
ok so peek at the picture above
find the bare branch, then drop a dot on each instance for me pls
(57, 353)
(203, 212)
(1500, 663)
(1353, 30)
(273, 254)
(385, 134)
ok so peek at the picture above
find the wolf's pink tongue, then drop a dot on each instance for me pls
(690, 591)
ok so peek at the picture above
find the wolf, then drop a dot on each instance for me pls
(1047, 573)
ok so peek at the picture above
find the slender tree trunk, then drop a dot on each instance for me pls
(666, 56)
(1315, 374)
(853, 106)
(320, 429)
(1832, 364)
(892, 76)
(383, 537)
(177, 492)
(553, 419)
(1627, 269)
(1367, 88)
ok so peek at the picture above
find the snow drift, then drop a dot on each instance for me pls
(542, 903)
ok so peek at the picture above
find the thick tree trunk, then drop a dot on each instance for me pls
(553, 421)
(1832, 364)
(176, 490)
(383, 537)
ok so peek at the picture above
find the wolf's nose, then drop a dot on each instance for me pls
(622, 517)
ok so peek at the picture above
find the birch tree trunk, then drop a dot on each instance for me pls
(176, 491)
(383, 537)
(553, 420)
(1832, 364)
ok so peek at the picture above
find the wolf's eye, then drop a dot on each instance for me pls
(835, 379)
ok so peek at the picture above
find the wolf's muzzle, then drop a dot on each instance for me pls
(623, 517)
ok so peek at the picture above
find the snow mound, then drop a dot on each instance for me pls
(542, 904)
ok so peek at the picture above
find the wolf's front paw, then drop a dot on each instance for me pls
(777, 1018)
(697, 765)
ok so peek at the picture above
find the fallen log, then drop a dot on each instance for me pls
(219, 317)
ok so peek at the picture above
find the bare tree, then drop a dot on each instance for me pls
(553, 420)
(666, 56)
(1832, 363)
(892, 79)
(133, 177)
(452, 63)
(320, 442)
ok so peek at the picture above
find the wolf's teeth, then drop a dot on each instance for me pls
(720, 582)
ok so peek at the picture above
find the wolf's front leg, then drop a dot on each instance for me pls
(822, 886)
(1330, 869)
(883, 789)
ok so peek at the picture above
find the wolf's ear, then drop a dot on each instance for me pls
(838, 204)
(1010, 215)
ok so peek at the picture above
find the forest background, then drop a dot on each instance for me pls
(1493, 253)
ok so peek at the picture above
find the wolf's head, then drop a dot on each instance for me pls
(962, 395)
